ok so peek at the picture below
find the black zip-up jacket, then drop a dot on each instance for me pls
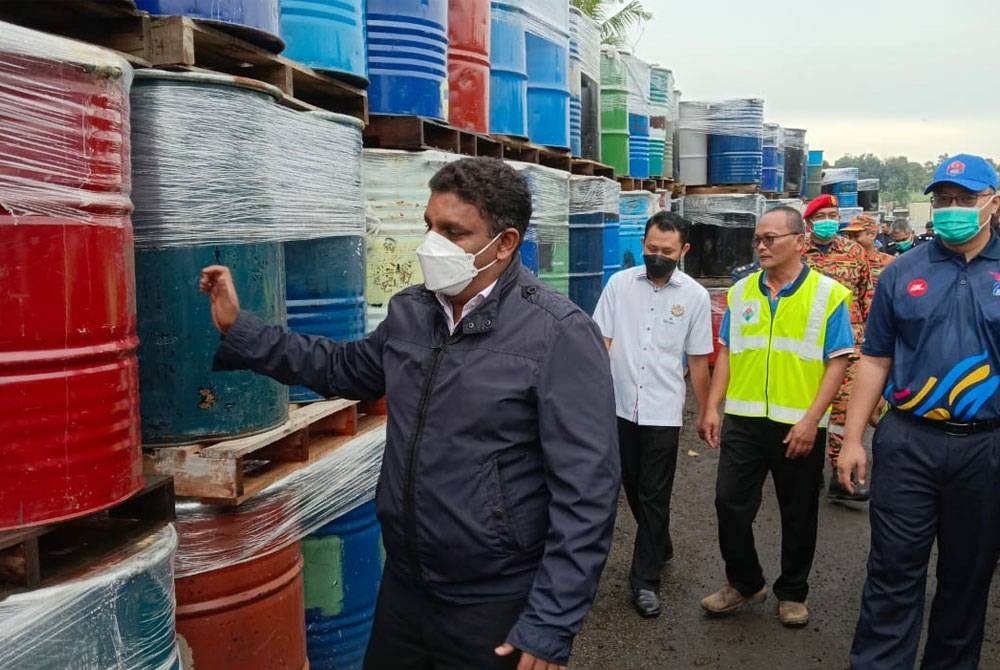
(501, 470)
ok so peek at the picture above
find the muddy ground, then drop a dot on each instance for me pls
(614, 637)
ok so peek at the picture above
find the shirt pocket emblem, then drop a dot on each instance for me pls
(677, 310)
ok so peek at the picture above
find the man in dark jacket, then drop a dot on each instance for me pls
(500, 475)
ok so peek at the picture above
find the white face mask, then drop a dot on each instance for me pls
(448, 268)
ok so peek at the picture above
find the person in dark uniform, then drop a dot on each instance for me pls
(933, 346)
(902, 237)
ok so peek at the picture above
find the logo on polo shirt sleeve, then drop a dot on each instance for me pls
(917, 287)
(996, 283)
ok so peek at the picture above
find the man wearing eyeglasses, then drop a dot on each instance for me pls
(786, 337)
(933, 348)
(844, 261)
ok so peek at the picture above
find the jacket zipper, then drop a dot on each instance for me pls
(411, 466)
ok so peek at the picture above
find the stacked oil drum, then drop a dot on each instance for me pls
(68, 368)
(118, 186)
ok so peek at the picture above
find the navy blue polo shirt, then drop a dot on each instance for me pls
(938, 318)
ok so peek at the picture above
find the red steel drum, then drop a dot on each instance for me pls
(69, 405)
(247, 615)
(469, 64)
(719, 304)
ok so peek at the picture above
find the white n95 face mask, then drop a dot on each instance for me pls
(448, 268)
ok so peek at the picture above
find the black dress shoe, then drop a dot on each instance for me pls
(646, 603)
(837, 493)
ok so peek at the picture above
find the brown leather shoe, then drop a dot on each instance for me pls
(727, 599)
(793, 614)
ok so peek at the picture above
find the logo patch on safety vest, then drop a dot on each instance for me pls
(751, 312)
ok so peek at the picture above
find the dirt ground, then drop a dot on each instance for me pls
(615, 638)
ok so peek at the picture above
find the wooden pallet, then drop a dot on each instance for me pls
(183, 43)
(179, 42)
(589, 168)
(115, 24)
(520, 149)
(416, 133)
(723, 189)
(231, 471)
(30, 556)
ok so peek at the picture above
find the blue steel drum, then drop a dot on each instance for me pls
(508, 71)
(815, 157)
(408, 57)
(734, 160)
(842, 187)
(612, 246)
(576, 125)
(529, 249)
(326, 35)
(586, 240)
(635, 209)
(769, 176)
(117, 612)
(325, 292)
(848, 199)
(586, 259)
(612, 226)
(254, 20)
(575, 101)
(638, 145)
(342, 572)
(548, 90)
(772, 175)
(182, 400)
(843, 183)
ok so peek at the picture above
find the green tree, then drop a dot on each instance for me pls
(615, 17)
(901, 181)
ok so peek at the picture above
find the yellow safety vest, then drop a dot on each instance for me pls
(776, 362)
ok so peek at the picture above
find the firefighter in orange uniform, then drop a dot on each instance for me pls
(839, 258)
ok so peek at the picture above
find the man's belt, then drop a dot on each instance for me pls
(953, 428)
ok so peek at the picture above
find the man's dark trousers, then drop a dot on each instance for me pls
(927, 486)
(414, 630)
(649, 462)
(752, 447)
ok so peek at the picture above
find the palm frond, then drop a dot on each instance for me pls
(615, 28)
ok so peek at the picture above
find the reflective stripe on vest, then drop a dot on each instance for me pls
(777, 374)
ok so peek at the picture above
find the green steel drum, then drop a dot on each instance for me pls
(614, 112)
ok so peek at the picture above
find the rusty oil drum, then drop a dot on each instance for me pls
(233, 613)
(69, 405)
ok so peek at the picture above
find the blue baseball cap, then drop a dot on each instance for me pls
(965, 170)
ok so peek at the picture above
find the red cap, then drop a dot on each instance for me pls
(818, 203)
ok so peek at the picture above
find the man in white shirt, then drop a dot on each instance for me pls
(652, 316)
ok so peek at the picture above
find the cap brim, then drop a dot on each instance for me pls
(973, 185)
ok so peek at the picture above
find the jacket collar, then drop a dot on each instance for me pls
(484, 319)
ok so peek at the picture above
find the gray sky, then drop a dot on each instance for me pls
(890, 77)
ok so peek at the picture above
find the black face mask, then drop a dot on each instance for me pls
(659, 267)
